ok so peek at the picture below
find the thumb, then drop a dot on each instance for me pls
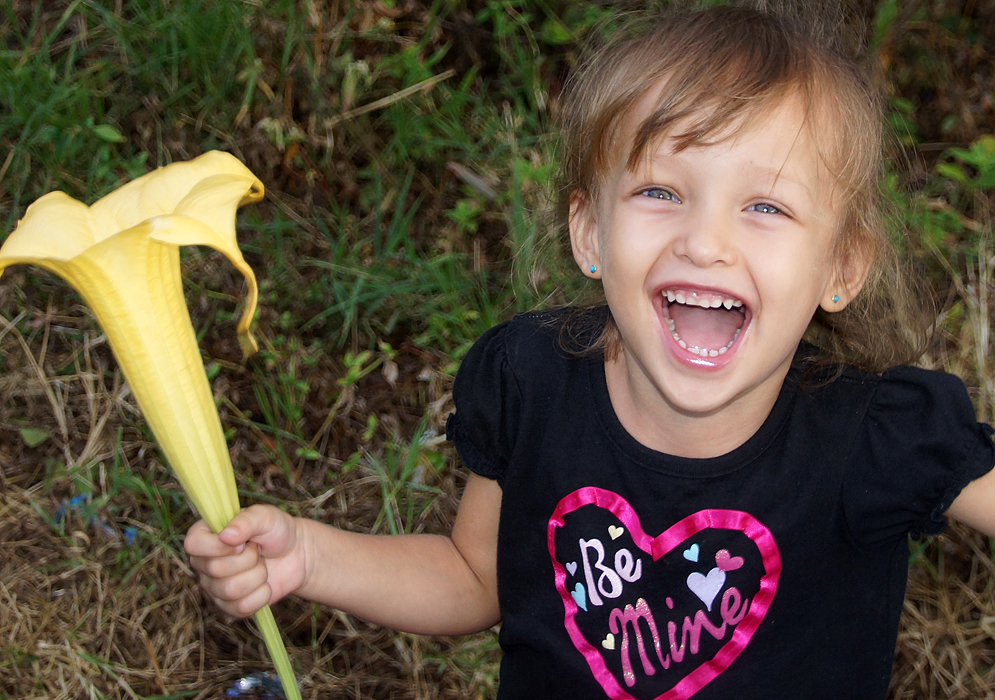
(255, 523)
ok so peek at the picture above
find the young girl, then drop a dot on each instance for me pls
(672, 495)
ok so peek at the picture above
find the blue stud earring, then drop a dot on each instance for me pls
(836, 298)
(594, 268)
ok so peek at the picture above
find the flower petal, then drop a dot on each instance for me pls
(178, 230)
(160, 191)
(55, 227)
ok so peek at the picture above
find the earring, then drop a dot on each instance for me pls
(836, 298)
(594, 268)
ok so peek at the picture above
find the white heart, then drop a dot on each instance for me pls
(571, 567)
(609, 642)
(615, 531)
(707, 587)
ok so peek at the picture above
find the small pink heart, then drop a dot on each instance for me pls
(726, 562)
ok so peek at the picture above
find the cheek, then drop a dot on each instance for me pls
(794, 277)
(631, 244)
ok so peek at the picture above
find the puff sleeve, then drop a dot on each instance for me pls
(919, 446)
(488, 406)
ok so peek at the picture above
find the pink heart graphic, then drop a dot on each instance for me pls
(671, 538)
(726, 562)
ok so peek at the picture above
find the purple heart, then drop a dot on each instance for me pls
(707, 587)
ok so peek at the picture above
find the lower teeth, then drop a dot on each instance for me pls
(704, 352)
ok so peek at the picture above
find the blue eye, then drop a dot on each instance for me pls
(764, 208)
(660, 193)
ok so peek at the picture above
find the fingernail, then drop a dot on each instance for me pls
(239, 549)
(228, 531)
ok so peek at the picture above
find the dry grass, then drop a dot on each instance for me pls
(946, 646)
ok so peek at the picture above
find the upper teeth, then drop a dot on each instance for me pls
(708, 301)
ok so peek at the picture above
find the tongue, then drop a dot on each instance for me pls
(709, 329)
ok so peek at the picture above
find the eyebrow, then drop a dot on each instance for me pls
(754, 172)
(775, 175)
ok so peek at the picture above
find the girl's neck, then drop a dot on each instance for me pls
(654, 423)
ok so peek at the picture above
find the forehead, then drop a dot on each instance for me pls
(785, 135)
(655, 118)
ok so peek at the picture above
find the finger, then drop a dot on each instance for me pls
(252, 522)
(234, 588)
(201, 542)
(249, 605)
(227, 566)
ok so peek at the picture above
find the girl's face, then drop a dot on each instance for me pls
(713, 261)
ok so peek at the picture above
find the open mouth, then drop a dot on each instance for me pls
(703, 323)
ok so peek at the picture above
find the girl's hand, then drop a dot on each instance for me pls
(256, 560)
(426, 584)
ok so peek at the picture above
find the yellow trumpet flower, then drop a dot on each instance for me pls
(122, 255)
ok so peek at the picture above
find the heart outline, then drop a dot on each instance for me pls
(674, 536)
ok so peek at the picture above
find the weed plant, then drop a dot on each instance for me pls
(408, 184)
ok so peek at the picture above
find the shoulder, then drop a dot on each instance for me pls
(901, 385)
(529, 346)
(917, 442)
(911, 396)
(516, 362)
(504, 382)
(535, 333)
(898, 390)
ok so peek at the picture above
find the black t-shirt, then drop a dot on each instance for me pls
(776, 571)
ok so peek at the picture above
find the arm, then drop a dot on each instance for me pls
(975, 506)
(426, 584)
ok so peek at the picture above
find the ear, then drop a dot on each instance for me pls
(848, 280)
(584, 238)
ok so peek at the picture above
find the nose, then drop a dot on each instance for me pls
(706, 240)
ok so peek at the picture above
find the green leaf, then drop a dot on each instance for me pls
(108, 133)
(952, 171)
(985, 145)
(985, 181)
(308, 453)
(555, 34)
(34, 436)
(884, 21)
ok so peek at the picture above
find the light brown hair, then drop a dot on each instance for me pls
(714, 73)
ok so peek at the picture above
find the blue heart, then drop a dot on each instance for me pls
(579, 594)
(691, 553)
